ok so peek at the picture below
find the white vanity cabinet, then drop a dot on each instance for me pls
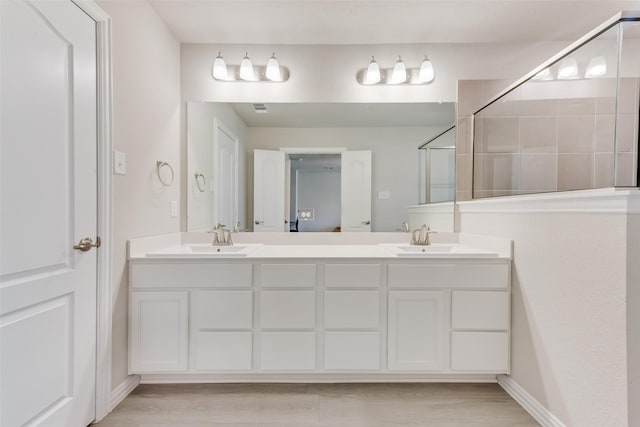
(319, 319)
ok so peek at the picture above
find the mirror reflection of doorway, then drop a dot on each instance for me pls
(315, 192)
(275, 210)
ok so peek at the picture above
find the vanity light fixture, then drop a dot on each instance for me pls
(399, 73)
(372, 75)
(273, 69)
(597, 67)
(246, 69)
(568, 69)
(426, 74)
(220, 71)
(542, 75)
(247, 72)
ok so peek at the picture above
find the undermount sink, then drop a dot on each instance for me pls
(442, 250)
(418, 249)
(205, 250)
(213, 249)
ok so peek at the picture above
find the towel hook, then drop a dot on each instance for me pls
(159, 165)
(200, 181)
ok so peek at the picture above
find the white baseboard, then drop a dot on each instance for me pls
(123, 390)
(324, 377)
(528, 402)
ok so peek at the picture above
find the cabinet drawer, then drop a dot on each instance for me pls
(288, 309)
(287, 351)
(186, 275)
(352, 309)
(352, 275)
(223, 350)
(353, 351)
(288, 275)
(223, 309)
(480, 351)
(480, 310)
(441, 275)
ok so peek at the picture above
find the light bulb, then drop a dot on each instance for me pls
(273, 69)
(542, 75)
(399, 73)
(426, 73)
(372, 76)
(568, 69)
(220, 68)
(246, 68)
(597, 67)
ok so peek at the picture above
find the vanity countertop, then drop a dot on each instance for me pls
(317, 245)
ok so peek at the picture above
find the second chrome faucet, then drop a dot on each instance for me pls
(221, 236)
(421, 236)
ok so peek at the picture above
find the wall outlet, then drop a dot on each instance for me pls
(384, 195)
(174, 208)
(119, 163)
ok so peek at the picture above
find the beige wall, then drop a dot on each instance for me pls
(146, 120)
(569, 347)
(633, 317)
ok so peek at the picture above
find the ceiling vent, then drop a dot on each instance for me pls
(259, 108)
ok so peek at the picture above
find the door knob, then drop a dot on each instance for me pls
(367, 222)
(87, 243)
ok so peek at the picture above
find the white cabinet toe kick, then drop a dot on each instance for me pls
(292, 320)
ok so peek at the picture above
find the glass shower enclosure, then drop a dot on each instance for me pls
(570, 124)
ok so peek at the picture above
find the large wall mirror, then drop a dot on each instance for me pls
(304, 167)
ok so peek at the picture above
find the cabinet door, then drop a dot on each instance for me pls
(416, 330)
(159, 334)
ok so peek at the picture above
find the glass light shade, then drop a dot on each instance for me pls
(273, 69)
(246, 69)
(372, 75)
(568, 69)
(542, 75)
(597, 67)
(399, 73)
(426, 73)
(220, 71)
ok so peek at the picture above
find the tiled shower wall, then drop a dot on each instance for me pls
(536, 140)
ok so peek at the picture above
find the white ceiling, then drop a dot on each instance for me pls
(383, 22)
(322, 115)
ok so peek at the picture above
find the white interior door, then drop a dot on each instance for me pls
(48, 201)
(268, 190)
(287, 193)
(356, 191)
(225, 176)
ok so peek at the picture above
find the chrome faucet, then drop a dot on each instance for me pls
(421, 237)
(221, 236)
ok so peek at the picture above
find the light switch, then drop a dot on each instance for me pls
(384, 195)
(174, 208)
(119, 163)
